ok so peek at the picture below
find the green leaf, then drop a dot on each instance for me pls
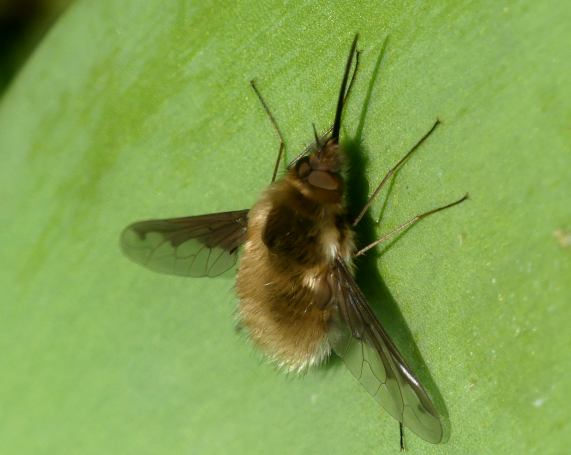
(132, 110)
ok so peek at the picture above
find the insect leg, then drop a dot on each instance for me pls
(276, 127)
(392, 171)
(401, 431)
(408, 224)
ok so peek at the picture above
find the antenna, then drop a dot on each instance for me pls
(317, 142)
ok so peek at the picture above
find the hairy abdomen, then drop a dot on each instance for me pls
(283, 280)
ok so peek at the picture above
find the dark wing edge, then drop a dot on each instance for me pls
(196, 246)
(359, 339)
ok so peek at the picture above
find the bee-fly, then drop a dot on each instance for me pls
(298, 298)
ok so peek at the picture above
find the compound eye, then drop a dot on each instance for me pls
(323, 180)
(303, 169)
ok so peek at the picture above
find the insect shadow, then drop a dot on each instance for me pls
(366, 266)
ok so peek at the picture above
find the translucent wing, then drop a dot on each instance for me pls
(205, 245)
(359, 338)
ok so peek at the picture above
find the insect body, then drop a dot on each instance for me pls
(296, 233)
(298, 298)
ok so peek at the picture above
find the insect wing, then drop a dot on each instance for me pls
(360, 340)
(196, 246)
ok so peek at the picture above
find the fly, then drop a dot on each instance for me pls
(298, 299)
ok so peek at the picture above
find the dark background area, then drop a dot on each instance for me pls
(23, 23)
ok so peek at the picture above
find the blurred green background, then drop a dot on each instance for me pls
(130, 110)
